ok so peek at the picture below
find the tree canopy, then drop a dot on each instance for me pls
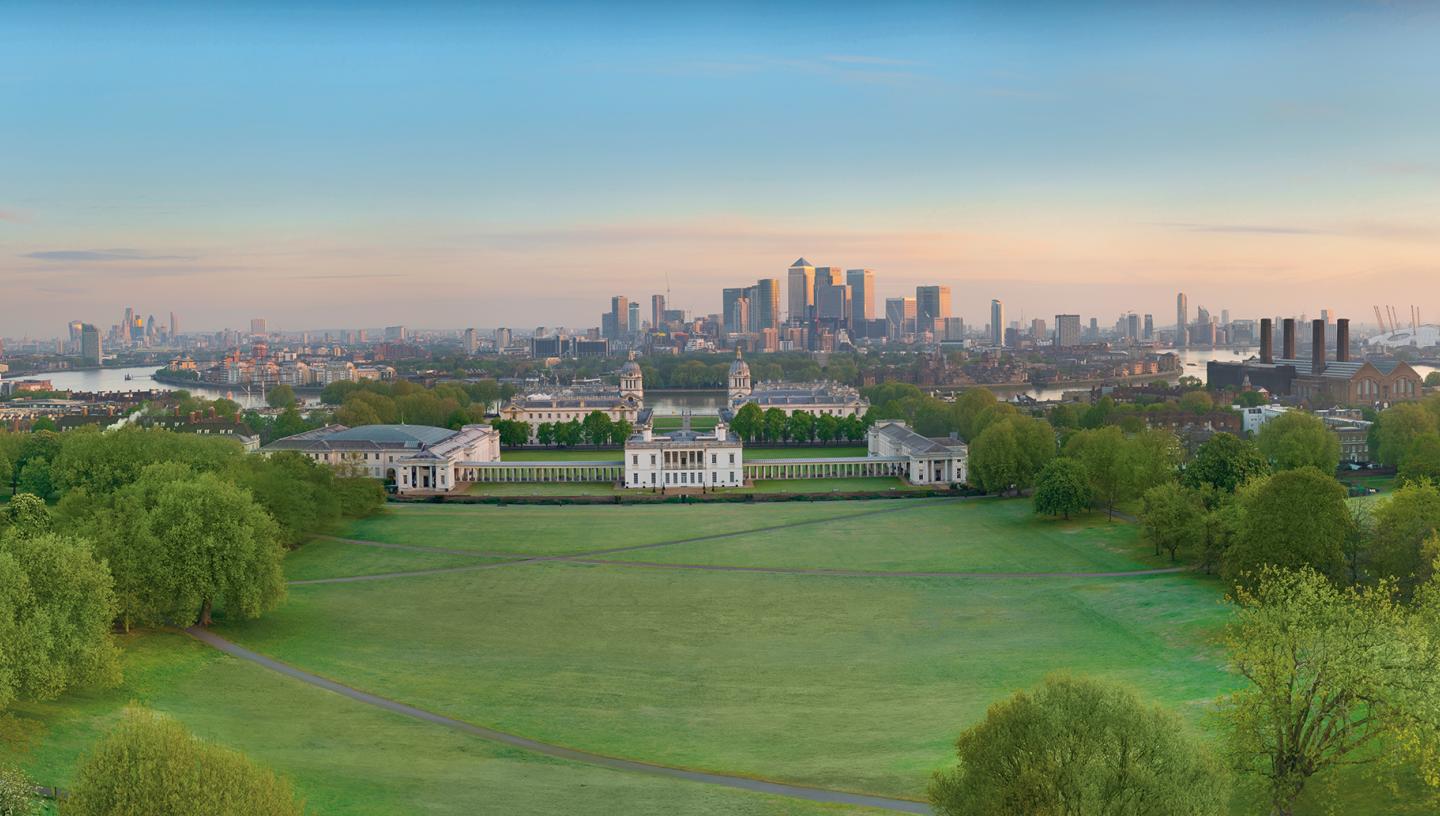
(1401, 545)
(1062, 488)
(1079, 747)
(1292, 519)
(1010, 452)
(149, 765)
(1225, 462)
(1296, 439)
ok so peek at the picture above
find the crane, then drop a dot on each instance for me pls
(1380, 319)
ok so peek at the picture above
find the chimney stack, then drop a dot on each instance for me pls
(1267, 341)
(1317, 346)
(1342, 340)
(1287, 348)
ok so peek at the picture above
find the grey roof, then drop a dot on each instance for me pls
(915, 444)
(364, 437)
(801, 262)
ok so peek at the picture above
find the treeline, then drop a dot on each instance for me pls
(445, 405)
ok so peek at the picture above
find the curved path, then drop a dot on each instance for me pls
(560, 751)
(853, 573)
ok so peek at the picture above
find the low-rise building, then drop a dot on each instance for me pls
(414, 458)
(927, 460)
(684, 459)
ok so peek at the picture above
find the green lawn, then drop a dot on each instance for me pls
(347, 758)
(854, 485)
(759, 454)
(550, 530)
(562, 455)
(335, 559)
(675, 423)
(852, 683)
(543, 489)
(952, 536)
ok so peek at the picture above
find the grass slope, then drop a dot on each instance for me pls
(348, 758)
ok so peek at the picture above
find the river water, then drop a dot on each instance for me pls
(113, 379)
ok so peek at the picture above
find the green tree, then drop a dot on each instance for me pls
(800, 427)
(1079, 747)
(1106, 455)
(1062, 488)
(56, 607)
(621, 431)
(180, 544)
(1196, 402)
(569, 433)
(1296, 439)
(1422, 461)
(1330, 680)
(1009, 453)
(1225, 462)
(1155, 457)
(545, 433)
(597, 427)
(748, 423)
(1292, 519)
(1397, 428)
(281, 396)
(25, 515)
(1402, 525)
(1249, 399)
(1173, 518)
(149, 765)
(827, 427)
(774, 424)
(969, 404)
(513, 432)
(17, 793)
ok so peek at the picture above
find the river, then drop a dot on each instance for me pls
(141, 379)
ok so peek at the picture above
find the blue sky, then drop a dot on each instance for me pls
(451, 165)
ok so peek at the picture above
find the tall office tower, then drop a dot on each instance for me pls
(738, 319)
(1202, 316)
(833, 302)
(728, 297)
(1037, 329)
(503, 338)
(174, 327)
(1182, 320)
(765, 308)
(1132, 327)
(1149, 328)
(657, 311)
(634, 317)
(471, 343)
(862, 296)
(257, 325)
(801, 280)
(90, 349)
(361, 335)
(395, 334)
(899, 317)
(931, 303)
(1067, 330)
(997, 323)
(75, 327)
(619, 316)
(128, 326)
(1224, 317)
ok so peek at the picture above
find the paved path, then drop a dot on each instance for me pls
(853, 573)
(615, 763)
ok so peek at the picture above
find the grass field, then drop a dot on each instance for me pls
(567, 455)
(543, 489)
(761, 454)
(346, 758)
(854, 683)
(675, 423)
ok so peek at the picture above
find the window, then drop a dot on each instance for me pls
(636, 480)
(732, 458)
(712, 458)
(652, 460)
(714, 477)
(652, 478)
(635, 459)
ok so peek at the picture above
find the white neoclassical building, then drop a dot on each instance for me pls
(684, 459)
(577, 402)
(415, 458)
(818, 398)
(927, 460)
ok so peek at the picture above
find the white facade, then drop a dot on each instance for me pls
(1252, 418)
(416, 458)
(928, 461)
(684, 459)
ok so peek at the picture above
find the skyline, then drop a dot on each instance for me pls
(518, 167)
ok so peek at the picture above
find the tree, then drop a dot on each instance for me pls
(56, 607)
(149, 765)
(1402, 526)
(1397, 428)
(1080, 747)
(1432, 379)
(749, 422)
(1422, 461)
(25, 515)
(1155, 457)
(597, 427)
(513, 432)
(968, 405)
(281, 396)
(774, 424)
(853, 428)
(1196, 402)
(1249, 399)
(1105, 452)
(1330, 676)
(1225, 462)
(800, 427)
(1173, 518)
(1296, 439)
(1010, 453)
(826, 427)
(545, 433)
(180, 544)
(17, 793)
(621, 431)
(1293, 519)
(1062, 488)
(569, 433)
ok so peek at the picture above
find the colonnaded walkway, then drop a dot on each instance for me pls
(590, 558)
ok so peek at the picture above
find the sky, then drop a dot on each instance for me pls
(444, 165)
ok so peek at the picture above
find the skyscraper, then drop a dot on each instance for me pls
(90, 349)
(657, 311)
(899, 317)
(634, 317)
(257, 326)
(801, 280)
(1149, 328)
(619, 323)
(1182, 320)
(862, 296)
(174, 327)
(997, 323)
(765, 307)
(728, 313)
(471, 344)
(931, 303)
(1067, 330)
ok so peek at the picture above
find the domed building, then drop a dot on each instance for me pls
(739, 378)
(577, 401)
(817, 398)
(632, 380)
